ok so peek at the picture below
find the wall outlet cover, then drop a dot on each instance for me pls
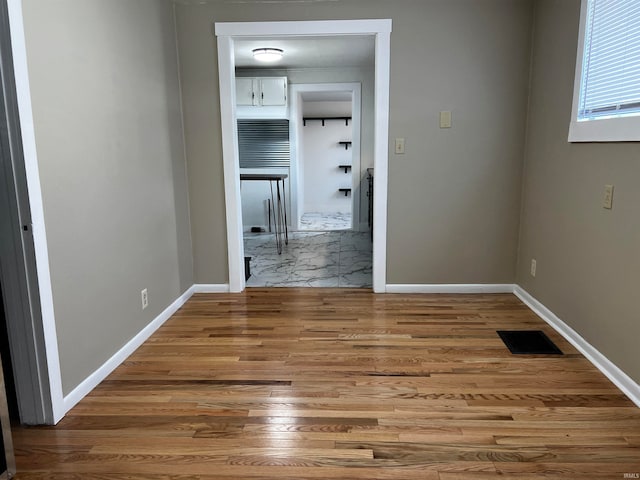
(144, 296)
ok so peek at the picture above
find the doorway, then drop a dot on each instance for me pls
(329, 244)
(326, 162)
(326, 156)
(227, 34)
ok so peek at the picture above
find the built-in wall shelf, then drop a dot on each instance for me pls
(324, 119)
(346, 191)
(346, 145)
(346, 168)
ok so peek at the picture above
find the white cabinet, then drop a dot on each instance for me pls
(261, 91)
(273, 91)
(245, 91)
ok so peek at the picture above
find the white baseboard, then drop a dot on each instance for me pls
(211, 288)
(620, 379)
(450, 288)
(110, 365)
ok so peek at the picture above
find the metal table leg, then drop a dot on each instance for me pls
(278, 232)
(284, 203)
(281, 212)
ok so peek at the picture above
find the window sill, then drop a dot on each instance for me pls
(625, 129)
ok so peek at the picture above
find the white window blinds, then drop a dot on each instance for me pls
(263, 143)
(610, 83)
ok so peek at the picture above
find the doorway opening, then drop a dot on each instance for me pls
(229, 33)
(329, 245)
(321, 184)
(327, 130)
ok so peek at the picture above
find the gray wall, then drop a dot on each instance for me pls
(588, 260)
(454, 197)
(110, 150)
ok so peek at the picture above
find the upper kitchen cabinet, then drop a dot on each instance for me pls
(261, 92)
(261, 97)
(273, 91)
(246, 89)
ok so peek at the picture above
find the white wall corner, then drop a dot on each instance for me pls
(620, 379)
(92, 381)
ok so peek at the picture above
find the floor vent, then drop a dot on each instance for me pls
(528, 342)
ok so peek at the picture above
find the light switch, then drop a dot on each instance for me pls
(607, 201)
(445, 119)
(399, 146)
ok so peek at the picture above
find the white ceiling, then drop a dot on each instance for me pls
(309, 52)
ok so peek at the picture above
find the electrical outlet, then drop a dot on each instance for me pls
(533, 267)
(607, 200)
(145, 298)
(399, 146)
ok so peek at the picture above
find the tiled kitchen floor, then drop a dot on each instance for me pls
(323, 222)
(312, 259)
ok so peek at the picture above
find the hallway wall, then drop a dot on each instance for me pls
(107, 119)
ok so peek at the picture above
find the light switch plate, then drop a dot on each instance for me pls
(399, 146)
(607, 201)
(445, 119)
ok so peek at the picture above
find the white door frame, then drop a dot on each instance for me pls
(42, 344)
(226, 33)
(295, 97)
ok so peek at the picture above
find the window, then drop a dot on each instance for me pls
(606, 103)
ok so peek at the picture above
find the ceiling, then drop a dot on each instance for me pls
(309, 52)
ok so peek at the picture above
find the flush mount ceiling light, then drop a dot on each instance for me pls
(267, 54)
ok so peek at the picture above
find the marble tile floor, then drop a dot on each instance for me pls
(312, 259)
(324, 222)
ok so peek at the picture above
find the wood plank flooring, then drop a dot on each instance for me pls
(342, 384)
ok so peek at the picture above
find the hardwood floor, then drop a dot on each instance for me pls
(342, 384)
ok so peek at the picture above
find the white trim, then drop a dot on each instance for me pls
(577, 80)
(270, 112)
(450, 288)
(304, 28)
(620, 379)
(297, 200)
(296, 182)
(23, 93)
(618, 129)
(233, 199)
(381, 158)
(225, 33)
(110, 365)
(211, 288)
